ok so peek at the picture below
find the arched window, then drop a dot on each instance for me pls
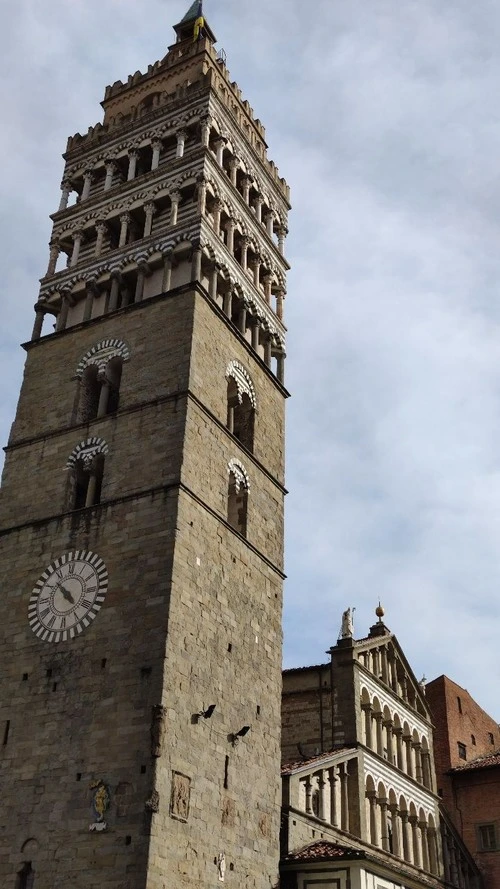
(237, 498)
(26, 877)
(86, 464)
(100, 372)
(241, 404)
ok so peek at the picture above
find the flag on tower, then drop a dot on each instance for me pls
(199, 22)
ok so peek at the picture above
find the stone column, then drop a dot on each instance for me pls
(280, 367)
(219, 149)
(38, 324)
(242, 318)
(372, 799)
(384, 825)
(103, 395)
(280, 296)
(149, 210)
(414, 836)
(409, 760)
(77, 243)
(62, 317)
(259, 200)
(255, 333)
(268, 282)
(404, 835)
(87, 182)
(216, 214)
(230, 225)
(378, 732)
(233, 170)
(282, 233)
(367, 710)
(91, 489)
(206, 123)
(245, 184)
(387, 724)
(425, 848)
(175, 197)
(395, 829)
(133, 157)
(308, 786)
(114, 293)
(181, 141)
(418, 761)
(344, 797)
(89, 300)
(101, 228)
(268, 350)
(227, 302)
(270, 223)
(196, 263)
(399, 747)
(321, 794)
(244, 252)
(167, 271)
(426, 769)
(333, 797)
(433, 850)
(256, 264)
(110, 170)
(156, 145)
(202, 196)
(142, 273)
(124, 224)
(66, 190)
(383, 663)
(54, 250)
(214, 277)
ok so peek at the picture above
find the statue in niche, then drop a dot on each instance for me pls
(221, 866)
(100, 804)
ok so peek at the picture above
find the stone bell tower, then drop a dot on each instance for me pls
(141, 509)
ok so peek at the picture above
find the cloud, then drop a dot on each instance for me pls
(383, 120)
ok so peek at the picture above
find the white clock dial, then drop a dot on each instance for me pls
(67, 596)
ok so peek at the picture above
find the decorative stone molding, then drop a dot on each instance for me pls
(102, 353)
(236, 468)
(86, 452)
(243, 382)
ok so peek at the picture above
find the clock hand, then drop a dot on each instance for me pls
(67, 595)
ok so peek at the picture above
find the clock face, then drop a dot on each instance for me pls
(68, 596)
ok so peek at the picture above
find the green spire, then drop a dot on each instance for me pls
(193, 12)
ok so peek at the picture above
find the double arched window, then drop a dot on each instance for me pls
(241, 404)
(100, 372)
(86, 465)
(237, 498)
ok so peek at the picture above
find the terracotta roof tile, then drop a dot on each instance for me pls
(323, 851)
(289, 767)
(482, 762)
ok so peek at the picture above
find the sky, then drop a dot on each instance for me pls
(383, 117)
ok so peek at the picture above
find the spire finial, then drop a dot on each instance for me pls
(379, 611)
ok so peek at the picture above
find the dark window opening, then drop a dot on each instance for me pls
(492, 739)
(26, 877)
(462, 750)
(87, 483)
(473, 740)
(486, 836)
(226, 773)
(237, 506)
(6, 732)
(99, 394)
(459, 704)
(240, 415)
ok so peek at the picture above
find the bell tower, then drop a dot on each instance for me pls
(141, 508)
